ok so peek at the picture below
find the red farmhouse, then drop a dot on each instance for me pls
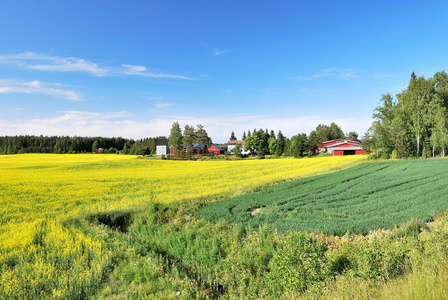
(341, 147)
(215, 149)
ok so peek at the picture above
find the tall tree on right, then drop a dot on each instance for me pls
(419, 92)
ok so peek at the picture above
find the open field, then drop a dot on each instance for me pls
(359, 199)
(41, 255)
(112, 226)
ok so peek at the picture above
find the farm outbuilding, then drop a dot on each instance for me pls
(342, 147)
(162, 147)
(215, 149)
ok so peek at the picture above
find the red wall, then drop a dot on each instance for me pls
(341, 152)
(213, 149)
(345, 145)
(338, 152)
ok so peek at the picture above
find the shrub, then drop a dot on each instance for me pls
(298, 264)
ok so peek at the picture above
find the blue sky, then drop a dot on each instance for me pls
(132, 68)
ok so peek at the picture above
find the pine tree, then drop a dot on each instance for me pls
(232, 136)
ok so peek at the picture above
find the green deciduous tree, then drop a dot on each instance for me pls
(95, 146)
(298, 145)
(175, 138)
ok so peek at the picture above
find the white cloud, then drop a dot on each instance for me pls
(135, 69)
(53, 63)
(219, 52)
(43, 62)
(140, 71)
(36, 87)
(71, 64)
(216, 51)
(163, 105)
(122, 124)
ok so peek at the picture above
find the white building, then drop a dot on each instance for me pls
(162, 147)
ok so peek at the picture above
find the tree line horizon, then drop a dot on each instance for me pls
(258, 141)
(414, 124)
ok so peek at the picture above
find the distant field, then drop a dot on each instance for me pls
(41, 257)
(365, 197)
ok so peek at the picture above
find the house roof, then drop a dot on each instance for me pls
(235, 142)
(198, 146)
(219, 148)
(161, 142)
(339, 140)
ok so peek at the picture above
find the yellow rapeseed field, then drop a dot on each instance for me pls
(40, 256)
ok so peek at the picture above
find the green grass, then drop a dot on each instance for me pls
(355, 200)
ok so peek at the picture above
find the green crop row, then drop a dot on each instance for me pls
(356, 200)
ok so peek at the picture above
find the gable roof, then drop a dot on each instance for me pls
(241, 142)
(345, 140)
(161, 142)
(217, 147)
(344, 143)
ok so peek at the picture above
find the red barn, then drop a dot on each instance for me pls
(341, 147)
(215, 149)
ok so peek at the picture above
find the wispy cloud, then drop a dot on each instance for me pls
(36, 87)
(216, 51)
(163, 105)
(335, 73)
(43, 62)
(35, 61)
(219, 52)
(140, 71)
(338, 73)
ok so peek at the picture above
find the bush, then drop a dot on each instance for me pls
(394, 154)
(298, 264)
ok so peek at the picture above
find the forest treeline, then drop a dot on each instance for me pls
(65, 144)
(261, 142)
(414, 124)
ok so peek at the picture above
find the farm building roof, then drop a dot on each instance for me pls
(346, 141)
(337, 144)
(161, 142)
(347, 148)
(235, 142)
